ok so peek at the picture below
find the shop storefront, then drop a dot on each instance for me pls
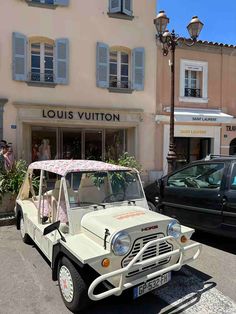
(53, 132)
(197, 133)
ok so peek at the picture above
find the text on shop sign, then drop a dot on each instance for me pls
(204, 119)
(94, 116)
(231, 127)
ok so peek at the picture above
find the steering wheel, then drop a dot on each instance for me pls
(114, 197)
(191, 182)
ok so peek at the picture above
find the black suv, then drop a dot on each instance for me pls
(201, 195)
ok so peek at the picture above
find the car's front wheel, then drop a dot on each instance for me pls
(73, 288)
(25, 237)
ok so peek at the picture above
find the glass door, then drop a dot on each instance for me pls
(43, 143)
(93, 144)
(71, 144)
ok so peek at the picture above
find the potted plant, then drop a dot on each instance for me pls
(10, 183)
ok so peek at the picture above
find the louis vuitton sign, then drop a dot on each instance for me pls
(80, 115)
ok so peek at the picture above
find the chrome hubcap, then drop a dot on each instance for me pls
(66, 283)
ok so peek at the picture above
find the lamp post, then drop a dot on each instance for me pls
(169, 42)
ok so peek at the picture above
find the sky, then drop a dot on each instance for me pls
(218, 16)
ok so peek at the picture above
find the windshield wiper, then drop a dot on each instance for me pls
(94, 204)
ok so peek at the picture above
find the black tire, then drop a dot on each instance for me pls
(152, 207)
(24, 236)
(75, 290)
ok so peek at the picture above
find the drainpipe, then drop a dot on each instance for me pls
(3, 101)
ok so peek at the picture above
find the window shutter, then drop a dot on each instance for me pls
(127, 7)
(138, 67)
(64, 3)
(19, 47)
(62, 61)
(102, 65)
(114, 6)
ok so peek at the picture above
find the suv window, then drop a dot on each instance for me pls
(198, 176)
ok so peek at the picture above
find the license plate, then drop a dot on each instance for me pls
(151, 285)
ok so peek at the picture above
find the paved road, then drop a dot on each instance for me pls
(208, 286)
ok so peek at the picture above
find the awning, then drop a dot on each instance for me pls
(196, 115)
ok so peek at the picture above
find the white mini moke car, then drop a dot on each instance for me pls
(92, 222)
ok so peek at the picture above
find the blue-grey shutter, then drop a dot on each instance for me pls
(62, 61)
(102, 65)
(61, 2)
(138, 68)
(127, 7)
(114, 6)
(19, 56)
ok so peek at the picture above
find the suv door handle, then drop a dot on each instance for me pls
(224, 201)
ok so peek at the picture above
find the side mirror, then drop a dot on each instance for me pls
(52, 227)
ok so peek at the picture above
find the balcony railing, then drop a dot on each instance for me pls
(41, 77)
(114, 83)
(192, 92)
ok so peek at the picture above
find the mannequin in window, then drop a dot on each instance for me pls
(44, 150)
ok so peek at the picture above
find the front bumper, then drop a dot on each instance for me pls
(123, 285)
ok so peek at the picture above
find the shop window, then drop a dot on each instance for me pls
(48, 3)
(121, 9)
(193, 81)
(114, 144)
(40, 61)
(120, 70)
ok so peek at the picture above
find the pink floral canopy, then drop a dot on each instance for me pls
(62, 167)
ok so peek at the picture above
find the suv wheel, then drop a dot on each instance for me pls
(74, 290)
(25, 237)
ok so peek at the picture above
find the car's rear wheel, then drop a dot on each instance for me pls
(73, 288)
(25, 237)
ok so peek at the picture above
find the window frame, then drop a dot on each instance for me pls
(42, 41)
(121, 14)
(119, 63)
(200, 66)
(42, 4)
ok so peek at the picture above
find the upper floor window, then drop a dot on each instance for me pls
(48, 3)
(40, 60)
(193, 81)
(120, 69)
(121, 9)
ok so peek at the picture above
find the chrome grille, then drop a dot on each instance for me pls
(151, 251)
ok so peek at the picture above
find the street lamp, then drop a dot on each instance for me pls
(169, 41)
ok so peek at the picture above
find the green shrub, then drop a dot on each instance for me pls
(11, 181)
(127, 160)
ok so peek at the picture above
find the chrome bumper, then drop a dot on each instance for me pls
(133, 263)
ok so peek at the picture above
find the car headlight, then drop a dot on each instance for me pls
(174, 229)
(121, 243)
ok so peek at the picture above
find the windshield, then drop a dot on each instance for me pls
(86, 188)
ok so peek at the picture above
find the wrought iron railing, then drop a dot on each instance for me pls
(41, 77)
(114, 83)
(192, 92)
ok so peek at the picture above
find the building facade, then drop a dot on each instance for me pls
(205, 102)
(79, 79)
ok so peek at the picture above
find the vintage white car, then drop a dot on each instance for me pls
(92, 222)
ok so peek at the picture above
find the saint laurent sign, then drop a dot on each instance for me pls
(80, 115)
